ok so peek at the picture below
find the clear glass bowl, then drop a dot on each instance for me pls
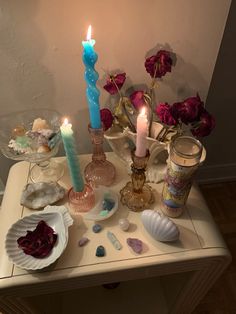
(16, 124)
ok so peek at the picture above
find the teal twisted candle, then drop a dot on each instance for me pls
(72, 159)
(91, 76)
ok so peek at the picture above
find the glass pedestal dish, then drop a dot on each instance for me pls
(34, 136)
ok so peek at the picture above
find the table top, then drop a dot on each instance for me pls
(199, 237)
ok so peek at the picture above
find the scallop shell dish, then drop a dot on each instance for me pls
(159, 226)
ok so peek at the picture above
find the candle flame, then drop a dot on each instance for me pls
(89, 32)
(65, 121)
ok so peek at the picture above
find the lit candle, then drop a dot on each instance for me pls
(142, 133)
(91, 76)
(72, 159)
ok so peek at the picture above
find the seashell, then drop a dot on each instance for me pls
(58, 218)
(159, 226)
(39, 194)
(43, 149)
(39, 124)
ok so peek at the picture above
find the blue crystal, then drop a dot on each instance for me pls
(100, 251)
(108, 204)
(55, 137)
(97, 228)
(115, 242)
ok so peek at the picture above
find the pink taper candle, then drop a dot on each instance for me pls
(142, 133)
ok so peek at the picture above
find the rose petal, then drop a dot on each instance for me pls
(39, 242)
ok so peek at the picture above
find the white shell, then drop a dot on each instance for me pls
(159, 226)
(39, 194)
(58, 219)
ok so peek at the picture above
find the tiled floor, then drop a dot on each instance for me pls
(221, 199)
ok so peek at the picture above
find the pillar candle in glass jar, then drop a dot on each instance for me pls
(185, 154)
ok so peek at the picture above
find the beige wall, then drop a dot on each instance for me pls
(40, 50)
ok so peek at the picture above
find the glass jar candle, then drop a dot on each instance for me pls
(185, 154)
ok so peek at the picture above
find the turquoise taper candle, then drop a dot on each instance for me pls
(72, 159)
(91, 76)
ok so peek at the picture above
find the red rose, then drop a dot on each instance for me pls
(114, 83)
(189, 110)
(107, 118)
(164, 112)
(159, 64)
(137, 99)
(205, 125)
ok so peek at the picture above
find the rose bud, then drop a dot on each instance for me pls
(114, 83)
(205, 125)
(106, 118)
(159, 64)
(164, 112)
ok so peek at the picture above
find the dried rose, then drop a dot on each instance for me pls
(137, 99)
(159, 64)
(114, 83)
(39, 242)
(164, 112)
(205, 125)
(107, 118)
(189, 110)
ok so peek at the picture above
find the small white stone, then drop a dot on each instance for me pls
(124, 224)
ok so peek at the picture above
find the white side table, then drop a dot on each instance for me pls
(165, 278)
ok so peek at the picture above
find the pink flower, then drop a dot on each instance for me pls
(114, 83)
(164, 112)
(205, 125)
(159, 64)
(107, 118)
(137, 99)
(189, 110)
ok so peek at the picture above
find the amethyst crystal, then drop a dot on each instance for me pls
(135, 244)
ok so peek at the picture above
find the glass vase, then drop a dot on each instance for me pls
(99, 171)
(185, 154)
(137, 195)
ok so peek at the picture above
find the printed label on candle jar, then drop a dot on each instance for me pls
(177, 185)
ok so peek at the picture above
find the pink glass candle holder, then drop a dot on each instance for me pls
(137, 195)
(99, 171)
(82, 201)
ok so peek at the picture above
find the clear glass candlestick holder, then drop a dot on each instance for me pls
(99, 171)
(137, 195)
(82, 201)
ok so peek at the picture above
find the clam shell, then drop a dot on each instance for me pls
(39, 194)
(159, 226)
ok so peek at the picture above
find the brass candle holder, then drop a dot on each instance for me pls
(137, 195)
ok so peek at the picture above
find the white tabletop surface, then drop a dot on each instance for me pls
(199, 237)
